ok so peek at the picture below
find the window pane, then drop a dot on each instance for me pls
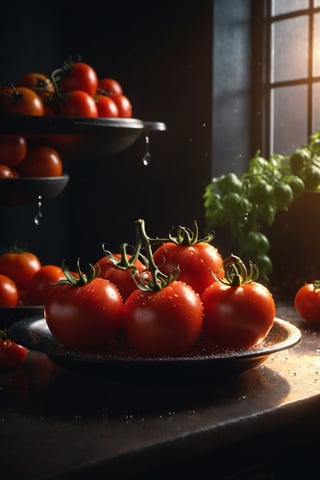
(316, 45)
(285, 6)
(289, 49)
(316, 107)
(317, 3)
(288, 119)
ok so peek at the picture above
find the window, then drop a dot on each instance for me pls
(291, 74)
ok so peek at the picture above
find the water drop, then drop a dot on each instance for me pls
(38, 216)
(147, 156)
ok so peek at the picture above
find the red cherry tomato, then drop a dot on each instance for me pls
(123, 104)
(119, 272)
(38, 82)
(41, 161)
(20, 266)
(21, 101)
(197, 259)
(237, 315)
(78, 104)
(13, 149)
(164, 322)
(307, 302)
(77, 76)
(85, 316)
(109, 85)
(42, 284)
(12, 355)
(6, 172)
(9, 295)
(106, 107)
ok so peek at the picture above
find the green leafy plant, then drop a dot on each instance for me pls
(248, 203)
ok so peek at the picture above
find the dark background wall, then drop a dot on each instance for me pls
(163, 55)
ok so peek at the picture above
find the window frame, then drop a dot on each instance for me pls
(263, 85)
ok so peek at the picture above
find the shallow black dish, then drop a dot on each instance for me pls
(34, 334)
(80, 138)
(23, 191)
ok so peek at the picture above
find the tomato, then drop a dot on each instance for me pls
(238, 312)
(123, 104)
(39, 82)
(86, 313)
(6, 172)
(197, 260)
(21, 101)
(13, 149)
(42, 283)
(307, 302)
(76, 76)
(41, 161)
(109, 85)
(119, 269)
(164, 322)
(9, 295)
(20, 266)
(12, 355)
(78, 104)
(106, 106)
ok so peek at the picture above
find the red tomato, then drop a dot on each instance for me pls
(164, 322)
(77, 76)
(196, 262)
(42, 283)
(106, 107)
(307, 302)
(78, 104)
(20, 266)
(13, 149)
(38, 82)
(109, 85)
(21, 101)
(6, 172)
(123, 104)
(9, 295)
(12, 355)
(41, 161)
(238, 316)
(113, 269)
(85, 317)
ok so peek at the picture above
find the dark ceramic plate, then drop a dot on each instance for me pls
(205, 359)
(81, 138)
(9, 315)
(23, 191)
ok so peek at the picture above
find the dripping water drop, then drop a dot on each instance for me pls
(38, 216)
(147, 156)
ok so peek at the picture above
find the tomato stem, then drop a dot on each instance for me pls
(158, 279)
(236, 273)
(187, 237)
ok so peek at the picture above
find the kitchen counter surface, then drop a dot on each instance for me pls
(61, 424)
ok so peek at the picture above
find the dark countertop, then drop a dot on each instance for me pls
(61, 424)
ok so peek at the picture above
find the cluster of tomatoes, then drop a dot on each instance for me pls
(19, 158)
(160, 300)
(24, 280)
(74, 90)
